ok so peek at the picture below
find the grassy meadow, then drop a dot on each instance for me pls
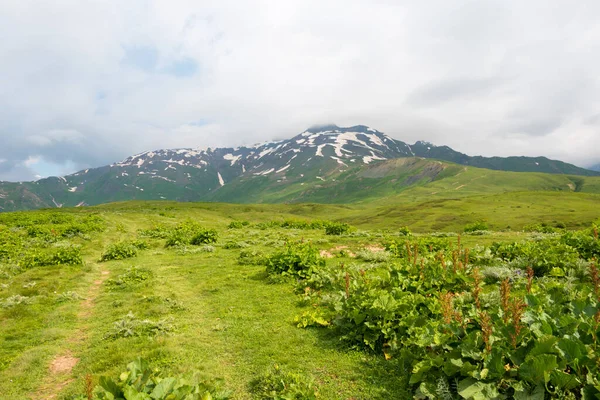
(303, 301)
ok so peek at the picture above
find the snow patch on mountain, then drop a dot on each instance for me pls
(282, 169)
(232, 158)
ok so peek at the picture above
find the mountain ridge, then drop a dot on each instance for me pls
(289, 167)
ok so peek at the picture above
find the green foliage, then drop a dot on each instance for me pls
(65, 255)
(131, 326)
(337, 228)
(420, 245)
(238, 224)
(297, 259)
(140, 381)
(476, 226)
(404, 231)
(586, 244)
(543, 255)
(517, 336)
(541, 228)
(119, 251)
(204, 236)
(190, 233)
(276, 384)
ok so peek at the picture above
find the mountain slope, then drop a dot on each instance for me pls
(325, 164)
(516, 164)
(595, 167)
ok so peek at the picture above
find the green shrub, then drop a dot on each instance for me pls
(542, 255)
(238, 224)
(140, 381)
(337, 228)
(68, 255)
(119, 251)
(476, 226)
(541, 228)
(177, 238)
(296, 259)
(190, 233)
(404, 231)
(276, 384)
(140, 244)
(204, 236)
(584, 242)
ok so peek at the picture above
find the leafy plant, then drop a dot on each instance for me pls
(140, 381)
(476, 226)
(131, 326)
(404, 231)
(276, 384)
(238, 224)
(119, 251)
(190, 233)
(502, 333)
(295, 259)
(337, 228)
(204, 236)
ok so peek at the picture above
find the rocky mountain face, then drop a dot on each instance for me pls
(245, 174)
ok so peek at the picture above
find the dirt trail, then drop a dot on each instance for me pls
(61, 366)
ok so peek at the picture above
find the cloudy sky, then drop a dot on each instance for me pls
(86, 83)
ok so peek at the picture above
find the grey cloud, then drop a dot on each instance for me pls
(436, 93)
(91, 83)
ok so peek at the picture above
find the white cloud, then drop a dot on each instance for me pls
(486, 77)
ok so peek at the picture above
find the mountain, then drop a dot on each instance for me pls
(325, 164)
(595, 167)
(517, 164)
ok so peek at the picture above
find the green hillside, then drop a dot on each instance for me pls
(404, 179)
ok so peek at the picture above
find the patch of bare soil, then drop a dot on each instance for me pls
(63, 364)
(326, 254)
(60, 368)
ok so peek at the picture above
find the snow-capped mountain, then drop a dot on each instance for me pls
(239, 174)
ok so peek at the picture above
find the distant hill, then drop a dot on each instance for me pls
(595, 167)
(326, 164)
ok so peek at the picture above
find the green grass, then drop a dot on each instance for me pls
(228, 320)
